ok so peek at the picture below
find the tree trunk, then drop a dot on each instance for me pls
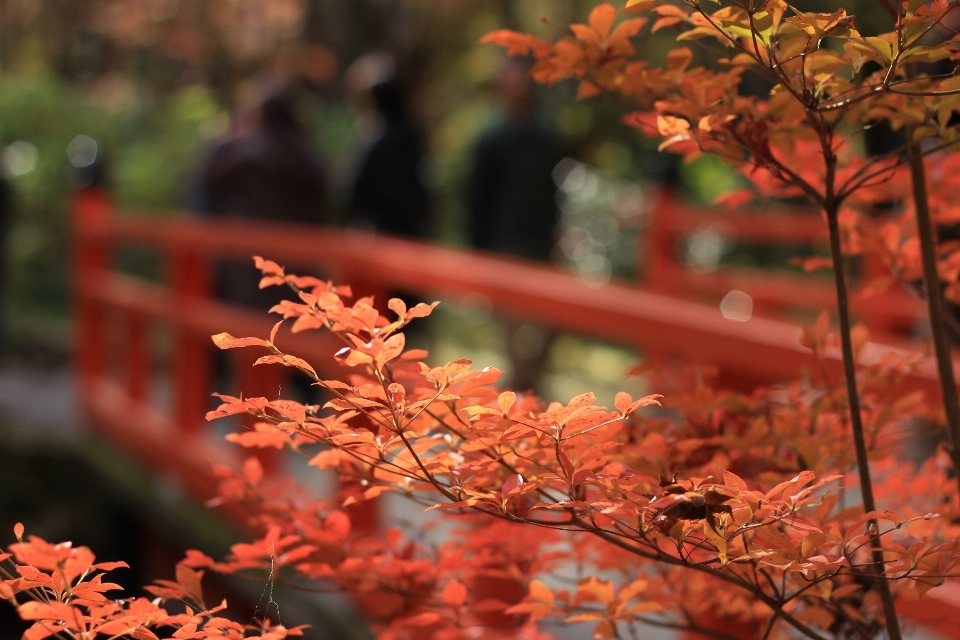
(856, 420)
(934, 295)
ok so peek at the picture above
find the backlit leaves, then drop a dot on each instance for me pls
(62, 591)
(447, 438)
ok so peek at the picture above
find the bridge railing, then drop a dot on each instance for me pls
(116, 318)
(774, 291)
(115, 312)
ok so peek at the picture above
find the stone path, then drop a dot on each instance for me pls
(38, 403)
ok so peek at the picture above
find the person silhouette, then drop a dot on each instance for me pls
(265, 171)
(387, 193)
(511, 204)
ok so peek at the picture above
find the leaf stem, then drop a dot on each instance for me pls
(832, 210)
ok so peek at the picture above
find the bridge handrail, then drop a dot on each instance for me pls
(894, 310)
(760, 349)
(764, 348)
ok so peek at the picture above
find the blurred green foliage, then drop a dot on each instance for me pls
(149, 149)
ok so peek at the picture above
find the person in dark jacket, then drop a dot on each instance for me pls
(511, 202)
(512, 205)
(267, 173)
(388, 193)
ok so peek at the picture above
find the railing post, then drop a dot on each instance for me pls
(91, 206)
(137, 357)
(192, 370)
(656, 257)
(656, 252)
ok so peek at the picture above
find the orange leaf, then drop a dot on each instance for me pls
(670, 126)
(50, 611)
(583, 400)
(190, 581)
(516, 43)
(541, 593)
(506, 401)
(227, 341)
(454, 594)
(671, 10)
(679, 59)
(788, 488)
(252, 470)
(619, 41)
(265, 435)
(267, 266)
(512, 484)
(422, 310)
(602, 17)
(640, 5)
(594, 589)
(398, 306)
(664, 22)
(813, 263)
(622, 402)
(587, 89)
(273, 332)
(735, 199)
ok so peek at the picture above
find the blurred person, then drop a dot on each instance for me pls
(511, 203)
(265, 170)
(387, 193)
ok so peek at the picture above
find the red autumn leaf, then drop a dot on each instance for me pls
(506, 400)
(264, 435)
(189, 580)
(813, 263)
(516, 43)
(252, 470)
(227, 341)
(735, 199)
(512, 484)
(602, 17)
(454, 594)
(267, 266)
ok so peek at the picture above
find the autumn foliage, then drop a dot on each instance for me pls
(612, 516)
(702, 509)
(829, 85)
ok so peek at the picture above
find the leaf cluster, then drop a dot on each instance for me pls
(714, 488)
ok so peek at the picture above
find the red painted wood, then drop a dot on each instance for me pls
(894, 311)
(192, 360)
(152, 438)
(90, 257)
(137, 357)
(766, 349)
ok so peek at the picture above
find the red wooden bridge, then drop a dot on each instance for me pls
(118, 319)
